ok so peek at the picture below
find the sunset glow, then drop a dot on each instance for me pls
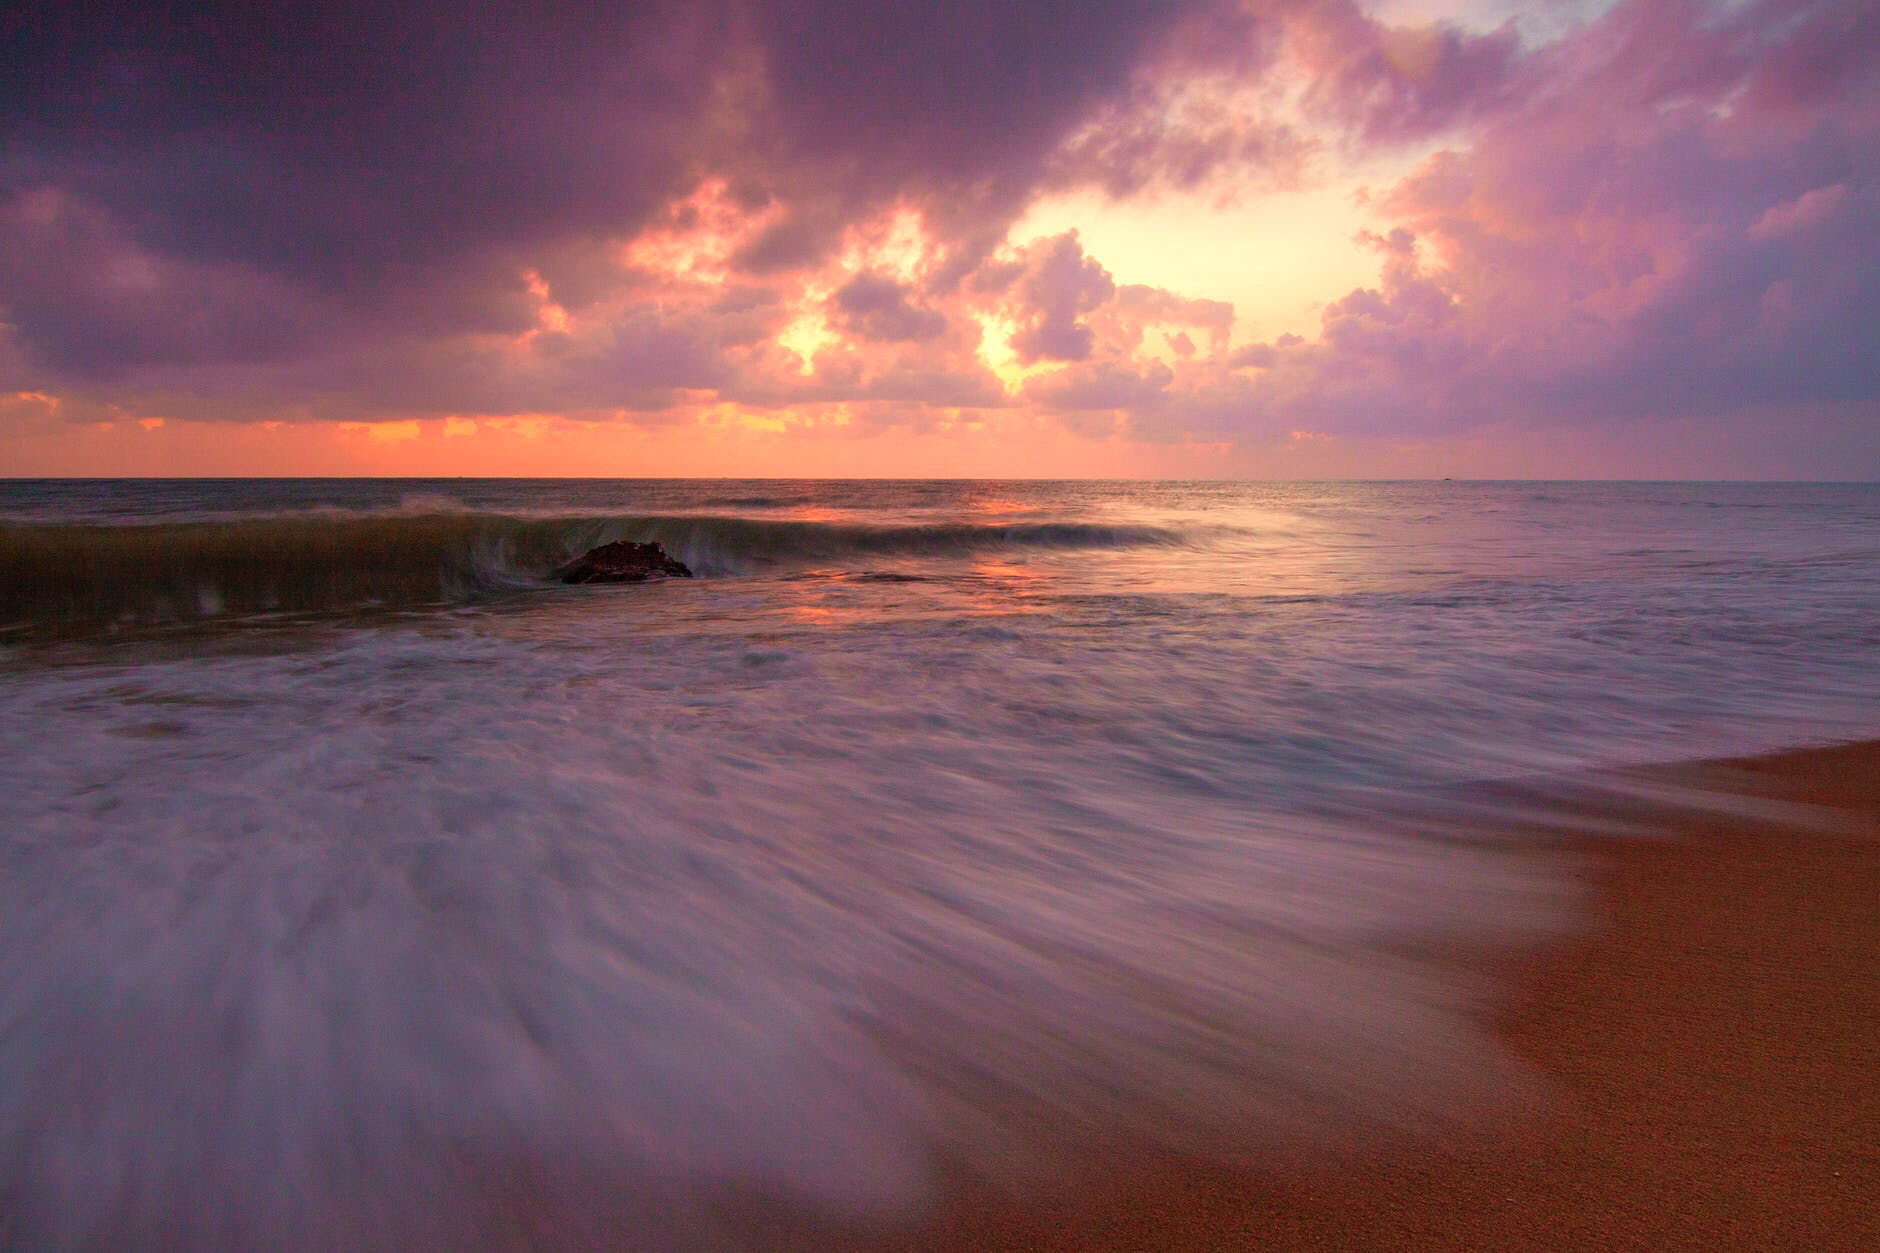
(1222, 238)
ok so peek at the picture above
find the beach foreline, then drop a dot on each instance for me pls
(1707, 1045)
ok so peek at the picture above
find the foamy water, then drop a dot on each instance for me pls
(362, 889)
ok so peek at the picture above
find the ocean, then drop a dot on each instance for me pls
(361, 887)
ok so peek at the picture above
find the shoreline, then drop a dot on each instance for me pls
(1706, 1047)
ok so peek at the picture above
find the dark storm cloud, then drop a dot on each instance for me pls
(948, 91)
(970, 96)
(958, 105)
(301, 181)
(94, 304)
(297, 175)
(331, 141)
(396, 166)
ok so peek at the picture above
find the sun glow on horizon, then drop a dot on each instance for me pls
(1276, 256)
(1345, 235)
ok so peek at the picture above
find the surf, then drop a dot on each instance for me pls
(178, 571)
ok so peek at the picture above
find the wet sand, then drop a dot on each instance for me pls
(1709, 1049)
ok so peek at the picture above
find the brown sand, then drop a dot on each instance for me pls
(1712, 1047)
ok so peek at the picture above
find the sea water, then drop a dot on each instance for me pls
(361, 887)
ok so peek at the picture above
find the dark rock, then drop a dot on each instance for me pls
(622, 561)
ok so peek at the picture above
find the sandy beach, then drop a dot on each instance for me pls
(1708, 1049)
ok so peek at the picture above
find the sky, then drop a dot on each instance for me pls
(1035, 238)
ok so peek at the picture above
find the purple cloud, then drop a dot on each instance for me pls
(362, 211)
(1055, 285)
(875, 306)
(1667, 225)
(1392, 85)
(388, 171)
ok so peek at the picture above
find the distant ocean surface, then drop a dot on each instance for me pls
(361, 888)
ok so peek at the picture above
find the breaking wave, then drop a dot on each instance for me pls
(332, 562)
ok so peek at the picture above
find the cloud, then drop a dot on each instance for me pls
(1385, 84)
(1176, 135)
(1138, 306)
(93, 303)
(960, 104)
(638, 213)
(332, 142)
(1247, 97)
(291, 181)
(1665, 226)
(875, 306)
(1053, 284)
(1102, 385)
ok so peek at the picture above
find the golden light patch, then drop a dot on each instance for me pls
(721, 416)
(549, 315)
(895, 243)
(524, 426)
(45, 402)
(383, 432)
(1277, 256)
(708, 226)
(995, 351)
(807, 336)
(150, 424)
(766, 423)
